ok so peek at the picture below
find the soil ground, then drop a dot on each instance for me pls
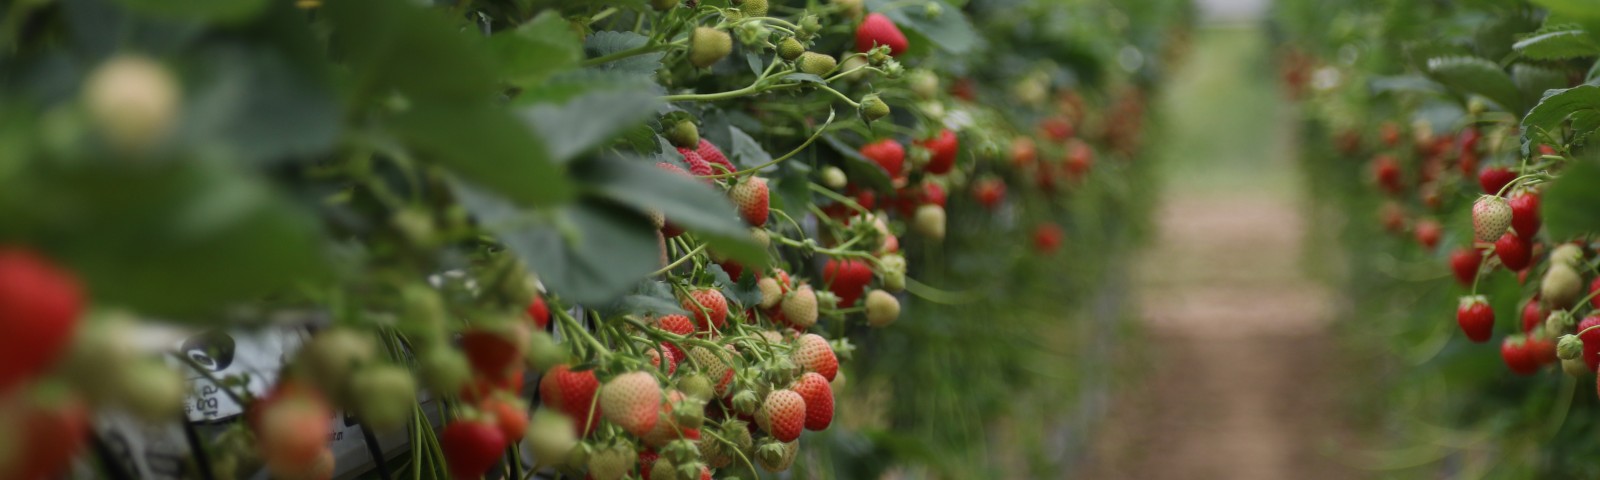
(1242, 374)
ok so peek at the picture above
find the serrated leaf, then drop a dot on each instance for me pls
(536, 50)
(1555, 42)
(588, 121)
(686, 202)
(1476, 75)
(1543, 122)
(607, 42)
(589, 252)
(1570, 202)
(746, 151)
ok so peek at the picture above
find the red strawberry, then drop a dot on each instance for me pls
(782, 415)
(1513, 251)
(1540, 350)
(751, 197)
(1386, 171)
(1525, 213)
(1533, 314)
(291, 426)
(1513, 350)
(876, 30)
(539, 311)
(709, 307)
(39, 308)
(1468, 163)
(472, 447)
(697, 166)
(655, 355)
(1594, 298)
(678, 324)
(1080, 157)
(1047, 238)
(734, 269)
(888, 154)
(989, 192)
(1428, 231)
(812, 353)
(1390, 133)
(818, 395)
(509, 412)
(1476, 318)
(847, 279)
(647, 460)
(572, 393)
(632, 401)
(1393, 216)
(49, 433)
(1464, 262)
(482, 386)
(942, 151)
(712, 154)
(1591, 341)
(1494, 178)
(493, 352)
(1057, 128)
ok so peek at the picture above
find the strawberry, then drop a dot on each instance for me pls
(812, 353)
(800, 307)
(1057, 128)
(1393, 216)
(668, 427)
(1494, 179)
(50, 432)
(1561, 286)
(1080, 158)
(1540, 350)
(383, 395)
(709, 307)
(783, 415)
(713, 366)
(482, 386)
(707, 45)
(882, 309)
(510, 414)
(989, 192)
(1533, 314)
(942, 151)
(929, 221)
(1468, 163)
(1513, 251)
(40, 304)
(1524, 213)
(888, 154)
(698, 166)
(1476, 318)
(549, 437)
(876, 29)
(572, 393)
(471, 447)
(710, 153)
(1514, 351)
(1023, 152)
(1386, 171)
(818, 396)
(632, 401)
(1490, 218)
(677, 324)
(291, 427)
(1594, 298)
(1047, 238)
(539, 311)
(1428, 231)
(1389, 132)
(655, 355)
(751, 197)
(1464, 262)
(847, 279)
(613, 462)
(814, 63)
(647, 462)
(1591, 341)
(492, 352)
(771, 293)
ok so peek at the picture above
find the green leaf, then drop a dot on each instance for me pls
(257, 106)
(1534, 80)
(1476, 75)
(1571, 203)
(208, 10)
(1585, 13)
(1555, 42)
(861, 170)
(948, 30)
(1543, 122)
(1404, 83)
(686, 202)
(747, 153)
(487, 145)
(590, 120)
(607, 42)
(648, 298)
(535, 50)
(589, 251)
(404, 47)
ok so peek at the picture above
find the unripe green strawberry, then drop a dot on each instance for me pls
(662, 469)
(632, 401)
(882, 308)
(550, 436)
(929, 222)
(776, 457)
(134, 101)
(543, 352)
(706, 46)
(751, 197)
(384, 396)
(715, 368)
(873, 108)
(816, 63)
(833, 177)
(1575, 368)
(761, 237)
(663, 5)
(752, 8)
(1567, 254)
(684, 134)
(1561, 287)
(150, 390)
(1570, 347)
(893, 272)
(612, 462)
(697, 386)
(782, 415)
(800, 307)
(789, 48)
(924, 83)
(1491, 216)
(331, 356)
(1557, 321)
(422, 313)
(444, 369)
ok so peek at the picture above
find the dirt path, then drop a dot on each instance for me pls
(1244, 376)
